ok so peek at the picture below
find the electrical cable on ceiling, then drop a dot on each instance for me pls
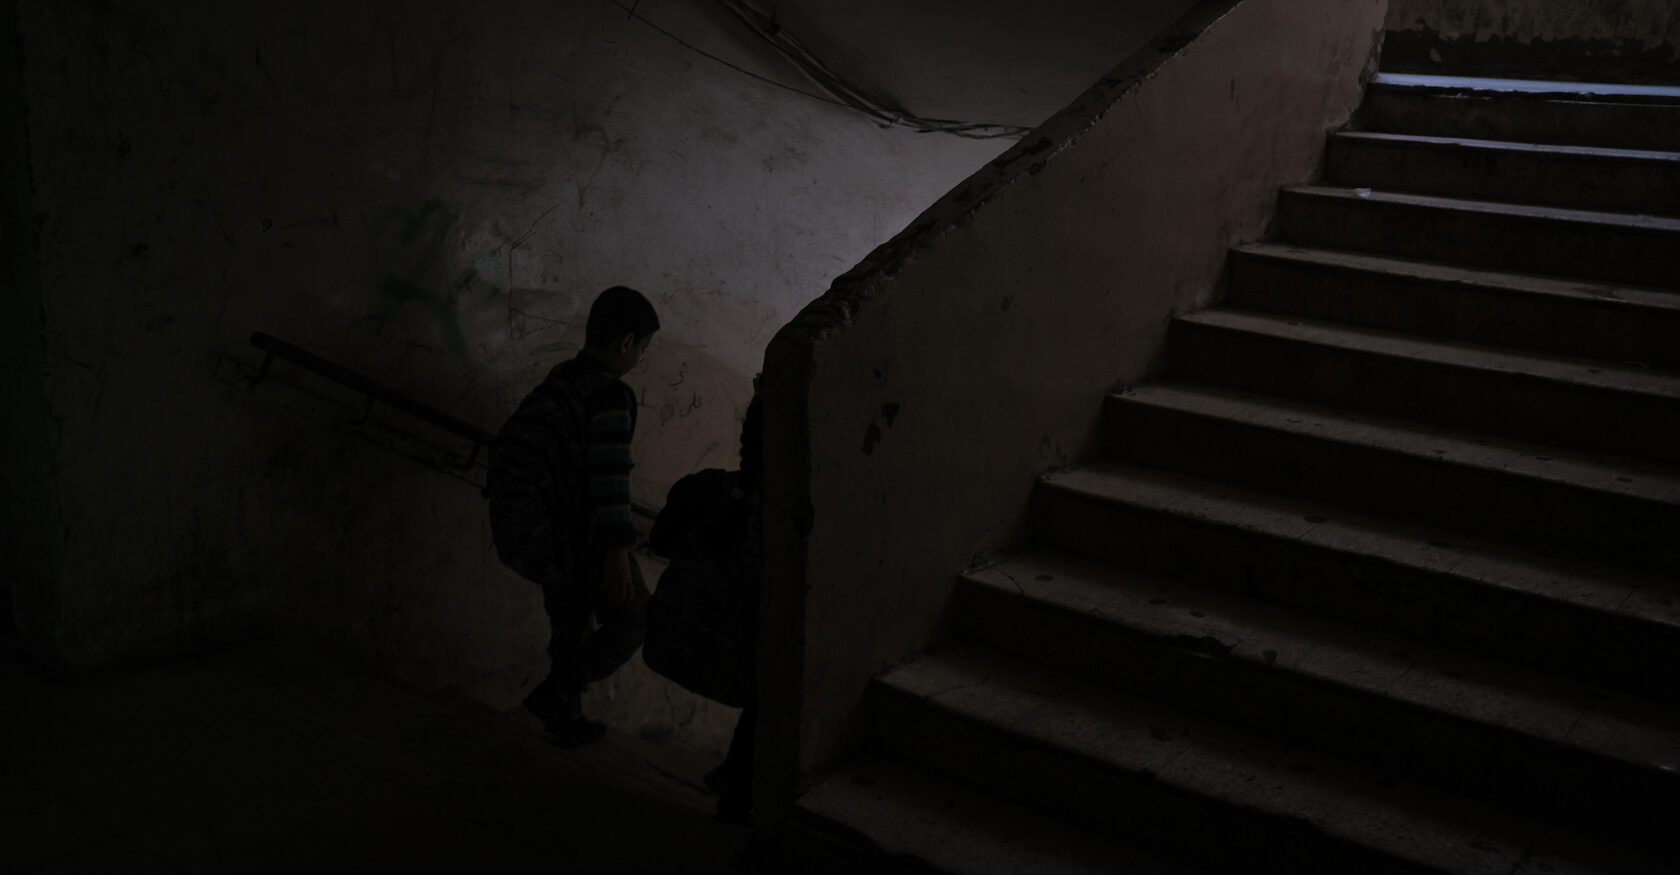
(827, 79)
(844, 92)
(631, 13)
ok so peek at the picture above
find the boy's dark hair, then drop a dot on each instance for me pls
(616, 312)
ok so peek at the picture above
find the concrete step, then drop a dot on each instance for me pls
(1612, 247)
(1580, 177)
(1567, 317)
(1485, 728)
(1559, 113)
(1433, 53)
(1198, 789)
(1552, 89)
(1607, 624)
(1622, 510)
(1593, 405)
(914, 820)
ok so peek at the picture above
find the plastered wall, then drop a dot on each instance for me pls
(28, 548)
(931, 386)
(429, 194)
(1598, 40)
(1649, 23)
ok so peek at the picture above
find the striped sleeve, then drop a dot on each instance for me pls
(608, 465)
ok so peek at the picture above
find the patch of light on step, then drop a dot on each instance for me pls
(1527, 86)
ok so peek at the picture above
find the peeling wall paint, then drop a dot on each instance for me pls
(1650, 23)
(1583, 40)
(29, 547)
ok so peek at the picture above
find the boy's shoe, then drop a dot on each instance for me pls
(735, 809)
(562, 716)
(716, 781)
(544, 704)
(734, 803)
(577, 731)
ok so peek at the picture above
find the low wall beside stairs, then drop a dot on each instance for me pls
(910, 409)
(1603, 40)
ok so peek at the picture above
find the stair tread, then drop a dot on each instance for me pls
(1536, 87)
(1581, 583)
(1634, 478)
(910, 812)
(1581, 372)
(1649, 155)
(1354, 803)
(1603, 293)
(1417, 673)
(1625, 221)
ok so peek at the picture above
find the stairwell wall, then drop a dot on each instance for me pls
(28, 552)
(1649, 23)
(912, 407)
(429, 194)
(1608, 40)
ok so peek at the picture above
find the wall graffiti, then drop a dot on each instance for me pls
(421, 238)
(557, 349)
(674, 406)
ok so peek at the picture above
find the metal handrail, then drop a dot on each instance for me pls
(374, 391)
(274, 347)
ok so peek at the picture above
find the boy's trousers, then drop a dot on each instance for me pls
(592, 633)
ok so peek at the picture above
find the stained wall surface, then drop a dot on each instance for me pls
(931, 386)
(1650, 23)
(1634, 41)
(429, 194)
(28, 542)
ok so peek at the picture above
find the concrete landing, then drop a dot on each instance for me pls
(272, 759)
(917, 819)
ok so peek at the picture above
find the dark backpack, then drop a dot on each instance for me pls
(539, 502)
(702, 617)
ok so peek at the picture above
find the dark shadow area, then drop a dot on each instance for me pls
(271, 757)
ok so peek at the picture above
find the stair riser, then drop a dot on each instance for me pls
(1474, 399)
(1584, 521)
(1525, 120)
(1587, 182)
(1455, 311)
(1498, 241)
(1130, 806)
(1390, 733)
(1434, 605)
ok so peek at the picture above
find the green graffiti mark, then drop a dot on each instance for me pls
(422, 235)
(559, 347)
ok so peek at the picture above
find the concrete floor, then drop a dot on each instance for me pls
(272, 758)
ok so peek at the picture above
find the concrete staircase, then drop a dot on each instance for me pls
(1382, 573)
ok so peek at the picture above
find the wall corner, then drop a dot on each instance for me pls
(30, 540)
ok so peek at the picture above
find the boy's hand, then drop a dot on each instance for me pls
(616, 582)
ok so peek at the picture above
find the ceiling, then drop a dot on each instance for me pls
(1000, 61)
(992, 61)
